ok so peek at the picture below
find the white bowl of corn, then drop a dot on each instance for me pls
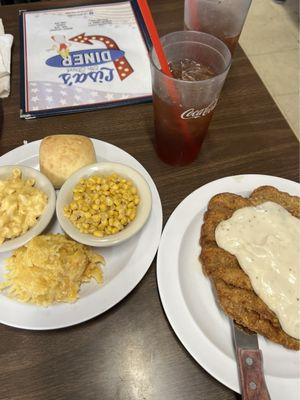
(103, 204)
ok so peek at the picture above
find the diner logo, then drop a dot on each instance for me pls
(193, 113)
(85, 58)
(89, 58)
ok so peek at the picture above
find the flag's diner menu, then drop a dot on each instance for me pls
(81, 58)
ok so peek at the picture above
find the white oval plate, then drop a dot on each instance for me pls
(126, 264)
(188, 300)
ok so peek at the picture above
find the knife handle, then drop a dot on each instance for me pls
(252, 376)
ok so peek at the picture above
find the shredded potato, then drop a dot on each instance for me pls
(50, 268)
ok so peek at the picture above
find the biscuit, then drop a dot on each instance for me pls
(62, 155)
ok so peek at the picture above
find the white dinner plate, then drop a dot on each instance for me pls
(188, 300)
(126, 264)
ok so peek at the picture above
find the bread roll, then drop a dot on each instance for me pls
(61, 155)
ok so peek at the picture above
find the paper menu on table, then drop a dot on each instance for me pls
(80, 58)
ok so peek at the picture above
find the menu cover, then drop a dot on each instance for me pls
(83, 58)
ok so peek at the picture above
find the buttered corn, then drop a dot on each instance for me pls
(102, 205)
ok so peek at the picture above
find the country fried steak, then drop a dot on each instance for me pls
(232, 284)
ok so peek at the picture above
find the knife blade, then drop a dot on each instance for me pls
(250, 364)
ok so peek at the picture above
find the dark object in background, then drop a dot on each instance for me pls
(7, 2)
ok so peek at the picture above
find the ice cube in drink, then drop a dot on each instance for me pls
(190, 70)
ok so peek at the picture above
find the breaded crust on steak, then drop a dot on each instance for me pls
(234, 290)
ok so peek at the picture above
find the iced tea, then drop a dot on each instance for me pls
(184, 104)
(230, 41)
(172, 145)
(221, 18)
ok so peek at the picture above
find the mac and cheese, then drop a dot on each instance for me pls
(21, 204)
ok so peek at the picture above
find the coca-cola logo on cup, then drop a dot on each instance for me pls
(192, 113)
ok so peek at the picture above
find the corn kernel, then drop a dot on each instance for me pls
(132, 215)
(96, 218)
(98, 233)
(111, 222)
(103, 207)
(124, 221)
(109, 201)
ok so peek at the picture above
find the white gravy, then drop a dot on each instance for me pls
(266, 241)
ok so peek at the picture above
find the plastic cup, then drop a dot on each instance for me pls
(184, 109)
(221, 18)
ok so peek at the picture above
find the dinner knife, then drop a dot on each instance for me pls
(250, 365)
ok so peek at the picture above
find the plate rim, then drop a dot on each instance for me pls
(174, 319)
(28, 151)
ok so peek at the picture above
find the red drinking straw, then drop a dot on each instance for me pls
(145, 10)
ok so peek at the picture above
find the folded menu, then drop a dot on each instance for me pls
(83, 58)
